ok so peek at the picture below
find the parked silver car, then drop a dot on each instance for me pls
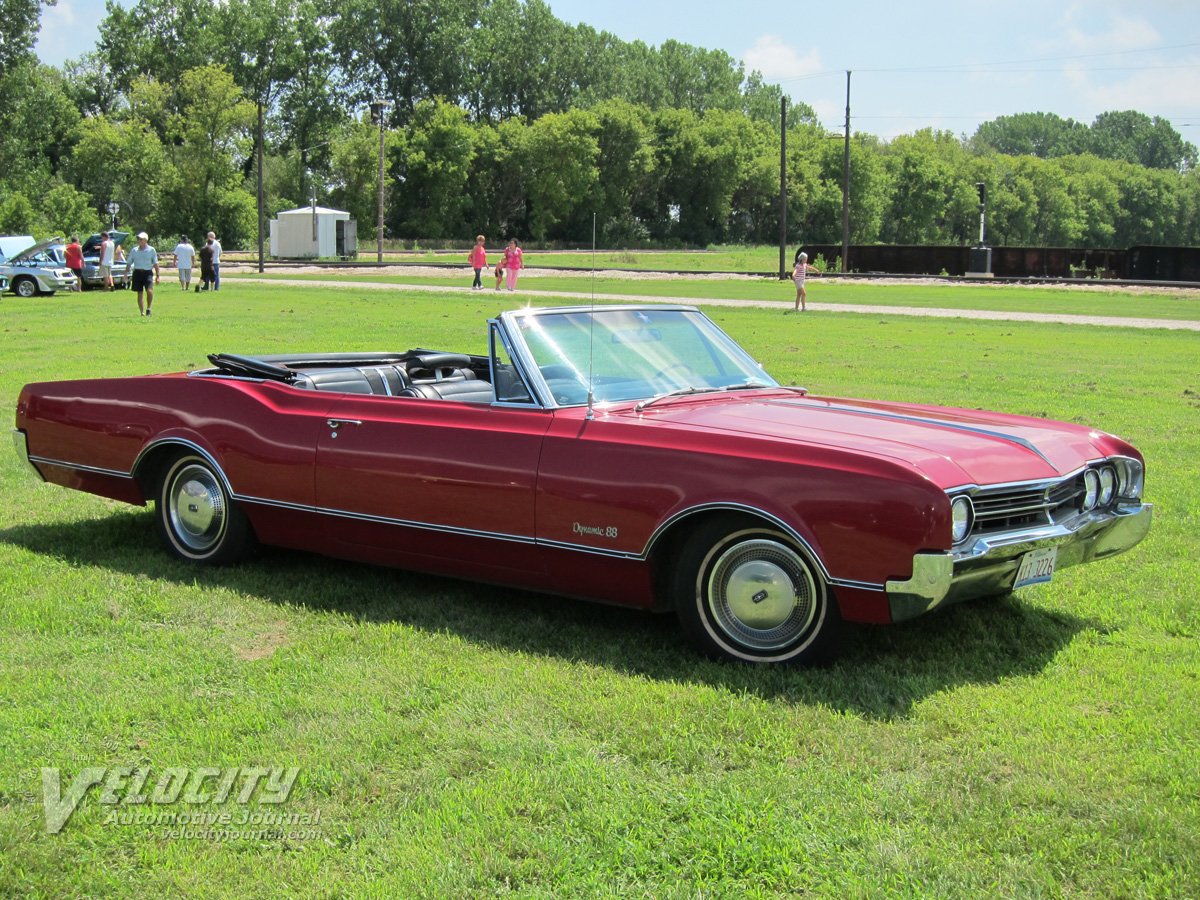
(35, 270)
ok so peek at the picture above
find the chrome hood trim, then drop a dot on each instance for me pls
(922, 420)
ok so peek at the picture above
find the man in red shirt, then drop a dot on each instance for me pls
(75, 261)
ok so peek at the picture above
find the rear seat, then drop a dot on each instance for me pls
(394, 381)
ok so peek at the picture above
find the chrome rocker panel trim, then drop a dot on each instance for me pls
(22, 447)
(989, 565)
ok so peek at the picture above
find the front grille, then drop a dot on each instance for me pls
(1027, 506)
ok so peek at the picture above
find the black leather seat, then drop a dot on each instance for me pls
(464, 391)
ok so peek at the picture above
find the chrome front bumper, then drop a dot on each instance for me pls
(22, 448)
(989, 565)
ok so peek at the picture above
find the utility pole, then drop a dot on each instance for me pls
(260, 187)
(377, 109)
(782, 188)
(846, 186)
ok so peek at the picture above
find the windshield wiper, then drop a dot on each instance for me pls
(681, 392)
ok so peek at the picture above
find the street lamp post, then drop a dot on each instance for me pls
(377, 110)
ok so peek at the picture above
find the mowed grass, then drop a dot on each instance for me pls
(1166, 303)
(463, 741)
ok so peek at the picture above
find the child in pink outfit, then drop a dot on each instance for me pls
(478, 260)
(512, 263)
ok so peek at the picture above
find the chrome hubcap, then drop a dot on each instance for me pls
(762, 594)
(197, 508)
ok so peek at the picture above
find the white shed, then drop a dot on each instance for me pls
(314, 231)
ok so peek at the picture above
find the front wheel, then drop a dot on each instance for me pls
(747, 592)
(197, 518)
(25, 287)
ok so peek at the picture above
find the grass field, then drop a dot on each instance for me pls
(1165, 304)
(461, 741)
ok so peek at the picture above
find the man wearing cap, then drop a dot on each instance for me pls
(143, 261)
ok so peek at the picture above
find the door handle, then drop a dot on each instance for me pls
(335, 423)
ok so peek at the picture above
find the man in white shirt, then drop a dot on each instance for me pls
(106, 260)
(185, 255)
(216, 245)
(143, 260)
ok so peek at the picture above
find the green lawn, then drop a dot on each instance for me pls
(1164, 304)
(464, 741)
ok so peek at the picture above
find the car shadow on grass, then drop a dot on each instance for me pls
(881, 673)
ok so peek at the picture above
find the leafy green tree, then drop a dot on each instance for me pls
(19, 24)
(122, 162)
(403, 50)
(496, 203)
(1044, 135)
(37, 119)
(66, 211)
(355, 176)
(1137, 138)
(16, 215)
(699, 79)
(160, 39)
(436, 154)
(559, 154)
(210, 139)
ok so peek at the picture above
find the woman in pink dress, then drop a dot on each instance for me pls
(512, 263)
(478, 260)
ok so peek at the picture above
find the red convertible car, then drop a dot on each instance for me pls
(629, 454)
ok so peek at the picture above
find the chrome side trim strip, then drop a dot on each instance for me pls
(971, 429)
(387, 520)
(79, 467)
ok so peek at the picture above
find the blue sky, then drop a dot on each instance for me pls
(926, 63)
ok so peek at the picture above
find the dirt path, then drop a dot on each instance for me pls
(532, 294)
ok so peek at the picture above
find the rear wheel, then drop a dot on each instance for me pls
(197, 518)
(25, 287)
(746, 591)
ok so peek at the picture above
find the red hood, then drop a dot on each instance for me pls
(952, 447)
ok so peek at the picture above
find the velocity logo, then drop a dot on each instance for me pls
(124, 785)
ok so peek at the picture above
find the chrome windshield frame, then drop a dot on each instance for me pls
(512, 334)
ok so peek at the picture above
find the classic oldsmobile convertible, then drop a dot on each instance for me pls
(628, 454)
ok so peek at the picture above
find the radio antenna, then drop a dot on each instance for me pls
(591, 409)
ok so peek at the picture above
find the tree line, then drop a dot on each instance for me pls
(507, 121)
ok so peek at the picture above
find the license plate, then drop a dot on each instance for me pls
(1037, 566)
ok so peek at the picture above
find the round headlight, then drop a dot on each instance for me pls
(962, 514)
(1091, 486)
(1108, 486)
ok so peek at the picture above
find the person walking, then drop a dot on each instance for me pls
(185, 255)
(106, 260)
(512, 263)
(799, 273)
(216, 261)
(74, 260)
(206, 265)
(143, 262)
(478, 259)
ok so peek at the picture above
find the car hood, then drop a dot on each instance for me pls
(25, 257)
(952, 447)
(12, 245)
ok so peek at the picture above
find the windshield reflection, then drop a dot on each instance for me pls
(634, 354)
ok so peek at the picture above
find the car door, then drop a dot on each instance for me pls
(433, 480)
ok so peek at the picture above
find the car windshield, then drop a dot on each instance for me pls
(635, 354)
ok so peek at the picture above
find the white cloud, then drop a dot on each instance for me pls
(1121, 33)
(777, 61)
